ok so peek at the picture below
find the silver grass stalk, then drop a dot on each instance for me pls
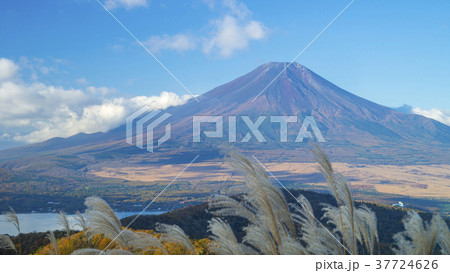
(227, 206)
(173, 233)
(340, 218)
(11, 217)
(224, 241)
(318, 240)
(64, 222)
(81, 221)
(260, 238)
(271, 229)
(53, 243)
(144, 241)
(263, 195)
(344, 216)
(444, 236)
(291, 246)
(93, 251)
(418, 238)
(7, 243)
(103, 220)
(367, 224)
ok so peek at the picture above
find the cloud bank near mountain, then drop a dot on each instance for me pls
(33, 111)
(443, 116)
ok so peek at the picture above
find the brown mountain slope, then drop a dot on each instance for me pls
(355, 129)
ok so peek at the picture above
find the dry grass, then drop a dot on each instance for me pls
(419, 181)
(7, 243)
(421, 238)
(274, 226)
(64, 222)
(271, 232)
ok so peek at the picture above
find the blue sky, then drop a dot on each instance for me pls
(390, 52)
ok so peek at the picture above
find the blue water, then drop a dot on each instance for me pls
(43, 222)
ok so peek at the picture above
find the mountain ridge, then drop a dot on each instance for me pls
(344, 118)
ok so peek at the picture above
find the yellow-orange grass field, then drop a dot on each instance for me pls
(429, 181)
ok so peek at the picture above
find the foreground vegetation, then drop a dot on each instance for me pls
(272, 225)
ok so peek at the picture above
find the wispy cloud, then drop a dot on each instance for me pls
(443, 116)
(82, 81)
(7, 69)
(227, 34)
(177, 42)
(37, 67)
(127, 4)
(232, 34)
(33, 112)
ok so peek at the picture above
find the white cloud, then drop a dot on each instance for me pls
(227, 34)
(178, 42)
(82, 81)
(33, 112)
(233, 31)
(231, 34)
(210, 3)
(127, 4)
(442, 116)
(102, 117)
(238, 9)
(21, 101)
(116, 48)
(38, 67)
(101, 91)
(7, 69)
(164, 100)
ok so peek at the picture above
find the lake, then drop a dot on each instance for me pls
(43, 222)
